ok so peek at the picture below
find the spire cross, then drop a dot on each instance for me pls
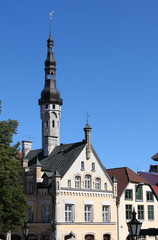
(50, 18)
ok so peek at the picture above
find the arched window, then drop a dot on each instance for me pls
(89, 237)
(15, 237)
(88, 182)
(32, 236)
(77, 182)
(46, 236)
(97, 183)
(106, 237)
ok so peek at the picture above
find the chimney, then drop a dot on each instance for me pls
(26, 147)
(87, 131)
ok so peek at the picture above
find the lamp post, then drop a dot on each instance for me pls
(134, 226)
(25, 231)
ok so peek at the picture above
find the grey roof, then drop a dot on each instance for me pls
(60, 159)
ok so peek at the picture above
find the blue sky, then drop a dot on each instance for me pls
(107, 57)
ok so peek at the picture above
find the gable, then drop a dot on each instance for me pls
(82, 167)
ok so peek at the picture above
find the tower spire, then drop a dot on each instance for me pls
(50, 23)
(50, 101)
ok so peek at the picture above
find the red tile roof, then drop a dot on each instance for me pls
(124, 175)
(155, 189)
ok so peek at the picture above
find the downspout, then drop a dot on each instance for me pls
(118, 226)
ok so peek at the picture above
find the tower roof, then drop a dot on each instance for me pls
(50, 93)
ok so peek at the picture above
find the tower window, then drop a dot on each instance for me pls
(53, 106)
(53, 123)
(46, 106)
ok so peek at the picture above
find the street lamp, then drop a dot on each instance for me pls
(134, 226)
(25, 231)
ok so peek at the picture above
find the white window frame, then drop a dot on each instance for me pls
(88, 181)
(105, 213)
(69, 212)
(128, 211)
(150, 212)
(88, 213)
(77, 182)
(97, 183)
(140, 211)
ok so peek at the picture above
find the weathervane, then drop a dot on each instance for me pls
(50, 18)
(87, 116)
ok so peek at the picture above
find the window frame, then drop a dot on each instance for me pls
(97, 184)
(148, 195)
(105, 213)
(88, 181)
(128, 211)
(140, 212)
(129, 192)
(77, 182)
(69, 212)
(139, 199)
(150, 212)
(88, 213)
(45, 213)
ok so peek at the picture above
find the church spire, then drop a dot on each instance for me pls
(50, 101)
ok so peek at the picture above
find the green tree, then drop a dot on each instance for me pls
(13, 204)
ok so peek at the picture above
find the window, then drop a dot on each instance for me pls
(53, 123)
(45, 213)
(93, 167)
(97, 183)
(106, 213)
(30, 217)
(82, 166)
(88, 213)
(140, 212)
(88, 182)
(105, 186)
(69, 183)
(149, 196)
(128, 211)
(139, 193)
(68, 213)
(53, 106)
(128, 194)
(77, 182)
(106, 237)
(150, 212)
(29, 187)
(89, 237)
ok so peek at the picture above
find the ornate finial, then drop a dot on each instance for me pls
(50, 18)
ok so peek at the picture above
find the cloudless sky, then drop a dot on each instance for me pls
(107, 64)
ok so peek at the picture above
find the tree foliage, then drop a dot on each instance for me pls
(12, 198)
